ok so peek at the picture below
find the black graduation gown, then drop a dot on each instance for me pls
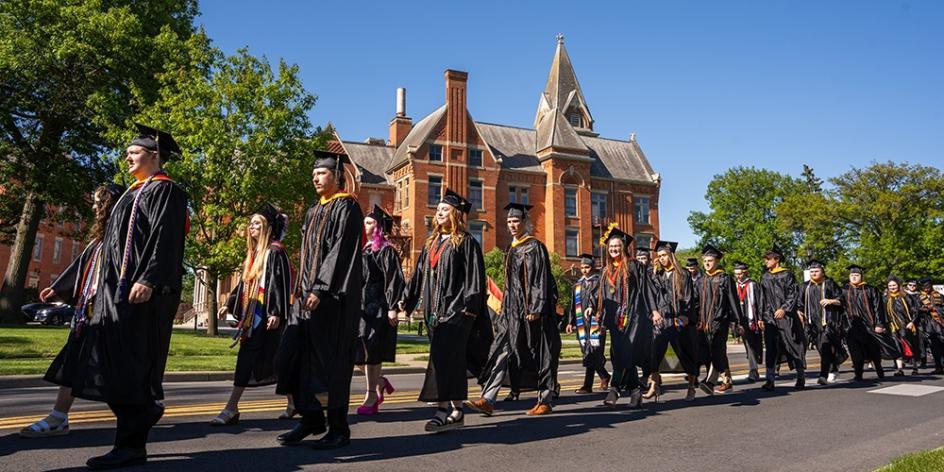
(825, 325)
(863, 305)
(589, 293)
(674, 302)
(786, 336)
(718, 307)
(257, 361)
(899, 311)
(316, 353)
(535, 345)
(383, 287)
(625, 300)
(68, 287)
(453, 291)
(933, 325)
(751, 298)
(124, 352)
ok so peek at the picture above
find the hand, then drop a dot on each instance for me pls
(532, 317)
(569, 329)
(588, 312)
(879, 329)
(684, 320)
(140, 293)
(311, 303)
(656, 318)
(468, 313)
(910, 326)
(401, 306)
(46, 294)
(392, 318)
(760, 325)
(221, 314)
(779, 314)
(273, 323)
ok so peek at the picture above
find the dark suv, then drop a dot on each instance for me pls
(55, 313)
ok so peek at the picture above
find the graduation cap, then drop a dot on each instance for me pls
(711, 251)
(616, 233)
(912, 281)
(113, 189)
(518, 210)
(456, 201)
(669, 246)
(275, 218)
(774, 251)
(925, 281)
(382, 218)
(740, 266)
(642, 246)
(330, 160)
(158, 141)
(815, 264)
(691, 262)
(855, 269)
(586, 259)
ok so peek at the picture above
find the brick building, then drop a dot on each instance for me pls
(57, 243)
(576, 180)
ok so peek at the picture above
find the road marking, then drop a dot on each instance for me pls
(908, 390)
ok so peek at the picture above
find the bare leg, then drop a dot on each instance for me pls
(371, 374)
(233, 403)
(64, 400)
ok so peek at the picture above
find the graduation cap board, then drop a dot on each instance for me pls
(330, 160)
(518, 210)
(740, 266)
(774, 252)
(669, 246)
(691, 262)
(158, 141)
(586, 259)
(276, 219)
(711, 251)
(815, 264)
(456, 201)
(855, 269)
(113, 189)
(382, 218)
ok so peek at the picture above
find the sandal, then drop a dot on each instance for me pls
(43, 428)
(440, 421)
(611, 398)
(225, 418)
(288, 413)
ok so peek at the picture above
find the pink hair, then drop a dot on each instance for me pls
(378, 240)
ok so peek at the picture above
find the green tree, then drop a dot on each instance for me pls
(70, 71)
(742, 218)
(250, 134)
(495, 266)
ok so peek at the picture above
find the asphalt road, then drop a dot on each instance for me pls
(844, 426)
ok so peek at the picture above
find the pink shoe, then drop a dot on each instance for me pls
(387, 388)
(368, 410)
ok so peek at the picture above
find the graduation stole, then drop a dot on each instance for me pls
(613, 276)
(583, 333)
(865, 302)
(894, 320)
(822, 296)
(746, 296)
(129, 239)
(705, 310)
(324, 220)
(87, 288)
(927, 299)
(252, 300)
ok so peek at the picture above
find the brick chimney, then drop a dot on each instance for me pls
(401, 124)
(456, 121)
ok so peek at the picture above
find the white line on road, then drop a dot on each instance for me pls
(908, 390)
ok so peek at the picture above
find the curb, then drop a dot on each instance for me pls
(32, 381)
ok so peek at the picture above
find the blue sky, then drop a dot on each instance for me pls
(705, 85)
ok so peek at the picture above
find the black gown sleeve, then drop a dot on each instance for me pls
(334, 274)
(538, 289)
(279, 283)
(389, 264)
(233, 298)
(66, 286)
(734, 303)
(412, 295)
(165, 208)
(474, 287)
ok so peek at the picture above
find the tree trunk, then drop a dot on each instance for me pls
(212, 285)
(11, 294)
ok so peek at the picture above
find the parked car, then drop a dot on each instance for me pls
(56, 313)
(231, 320)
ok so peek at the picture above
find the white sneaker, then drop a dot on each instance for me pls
(833, 377)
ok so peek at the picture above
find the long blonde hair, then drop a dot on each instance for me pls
(456, 230)
(256, 249)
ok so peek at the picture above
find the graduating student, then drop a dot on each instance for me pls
(752, 301)
(718, 308)
(784, 334)
(527, 342)
(584, 319)
(904, 319)
(383, 287)
(261, 302)
(122, 356)
(76, 285)
(625, 300)
(450, 278)
(316, 354)
(932, 309)
(691, 265)
(820, 307)
(866, 324)
(672, 324)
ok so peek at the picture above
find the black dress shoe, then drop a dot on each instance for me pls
(768, 385)
(332, 440)
(118, 457)
(801, 383)
(298, 433)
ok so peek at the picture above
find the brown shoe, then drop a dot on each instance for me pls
(725, 387)
(481, 405)
(605, 384)
(539, 409)
(583, 390)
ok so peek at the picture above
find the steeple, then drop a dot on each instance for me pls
(562, 94)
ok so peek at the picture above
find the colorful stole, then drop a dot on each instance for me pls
(87, 289)
(585, 333)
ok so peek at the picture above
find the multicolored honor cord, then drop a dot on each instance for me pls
(126, 257)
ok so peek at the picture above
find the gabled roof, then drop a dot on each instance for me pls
(555, 131)
(370, 159)
(562, 89)
(419, 134)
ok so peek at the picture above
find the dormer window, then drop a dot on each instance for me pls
(574, 119)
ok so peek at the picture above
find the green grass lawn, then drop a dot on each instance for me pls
(924, 461)
(26, 350)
